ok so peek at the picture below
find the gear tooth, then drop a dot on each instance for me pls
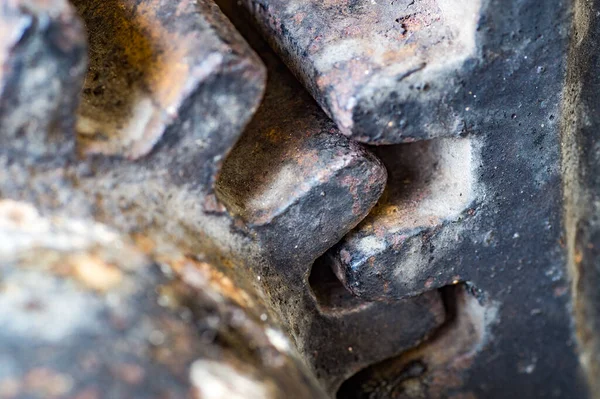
(420, 369)
(156, 64)
(173, 260)
(299, 185)
(290, 165)
(387, 72)
(392, 254)
(42, 64)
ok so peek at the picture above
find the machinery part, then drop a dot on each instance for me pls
(581, 164)
(162, 58)
(298, 185)
(106, 290)
(504, 101)
(139, 223)
(436, 367)
(164, 201)
(431, 185)
(87, 315)
(387, 72)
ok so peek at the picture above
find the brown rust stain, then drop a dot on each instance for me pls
(355, 56)
(146, 244)
(94, 272)
(136, 77)
(200, 274)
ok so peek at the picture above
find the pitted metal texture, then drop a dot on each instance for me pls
(181, 216)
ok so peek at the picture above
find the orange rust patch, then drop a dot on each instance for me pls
(198, 273)
(138, 74)
(578, 256)
(144, 243)
(94, 273)
(274, 136)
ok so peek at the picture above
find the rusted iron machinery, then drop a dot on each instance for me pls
(299, 199)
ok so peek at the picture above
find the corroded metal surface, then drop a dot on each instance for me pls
(42, 63)
(506, 238)
(164, 203)
(436, 368)
(168, 284)
(86, 314)
(432, 184)
(385, 71)
(581, 167)
(149, 61)
(299, 185)
(121, 279)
